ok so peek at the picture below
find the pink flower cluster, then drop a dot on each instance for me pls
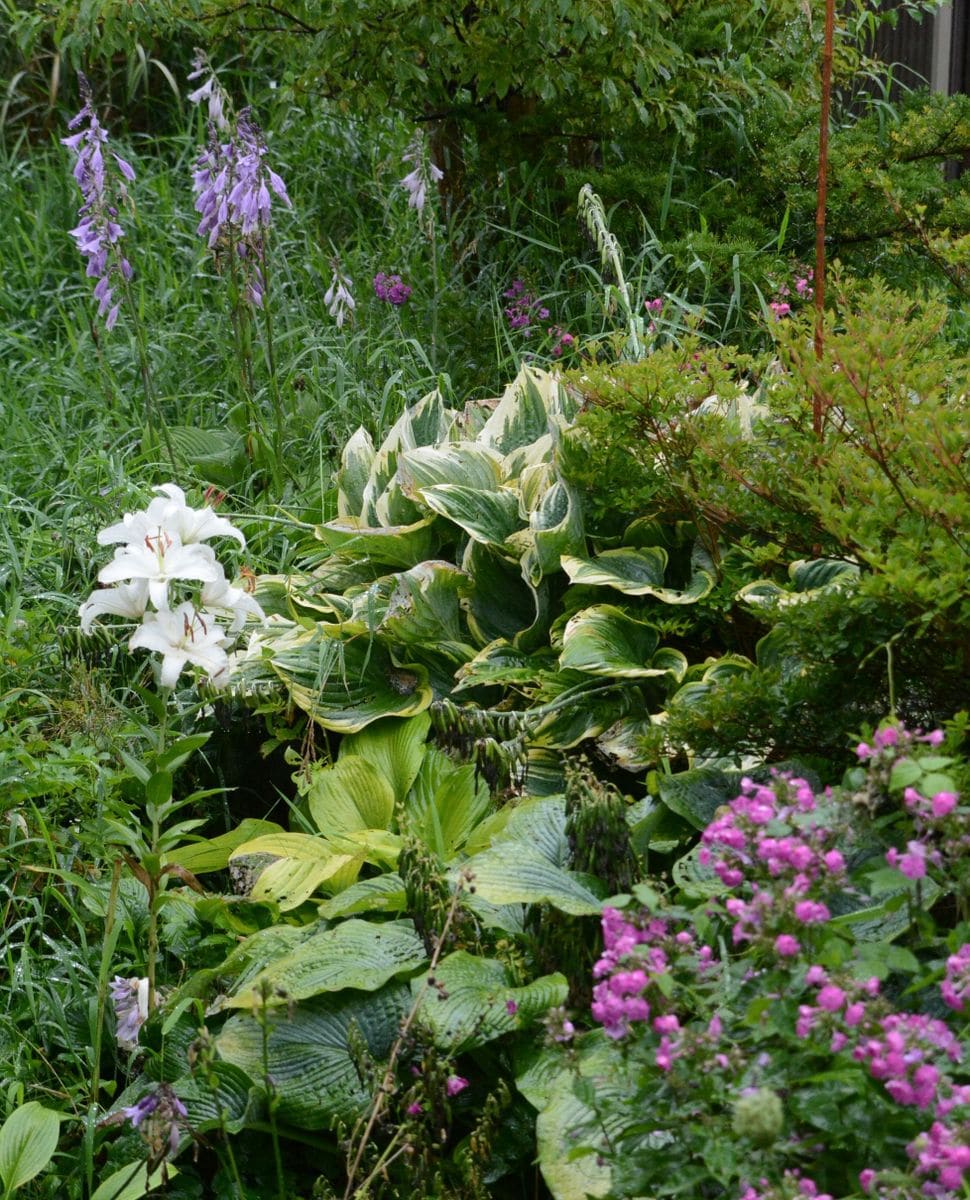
(563, 340)
(781, 306)
(836, 1008)
(942, 1155)
(889, 741)
(523, 308)
(955, 987)
(787, 869)
(794, 1185)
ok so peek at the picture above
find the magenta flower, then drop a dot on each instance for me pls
(786, 946)
(455, 1084)
(511, 1007)
(391, 289)
(414, 1110)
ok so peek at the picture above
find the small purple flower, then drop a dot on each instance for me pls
(414, 1110)
(211, 90)
(130, 999)
(103, 189)
(455, 1084)
(391, 289)
(511, 1007)
(162, 1112)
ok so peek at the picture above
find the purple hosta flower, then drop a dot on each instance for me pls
(210, 90)
(234, 188)
(338, 299)
(523, 308)
(130, 1000)
(455, 1084)
(159, 1117)
(391, 289)
(103, 189)
(422, 176)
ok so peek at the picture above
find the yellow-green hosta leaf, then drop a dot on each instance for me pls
(313, 1057)
(213, 854)
(395, 749)
(291, 881)
(623, 743)
(394, 545)
(133, 1180)
(354, 954)
(382, 893)
(351, 795)
(477, 994)
(302, 847)
(489, 517)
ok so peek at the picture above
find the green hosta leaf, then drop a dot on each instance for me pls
(697, 794)
(352, 794)
(28, 1140)
(383, 893)
(423, 609)
(132, 1181)
(487, 517)
(588, 712)
(345, 685)
(516, 873)
(603, 640)
(637, 573)
(225, 1096)
(694, 879)
(466, 463)
(354, 954)
(217, 454)
(315, 1073)
(356, 461)
(475, 1005)
(213, 854)
(395, 545)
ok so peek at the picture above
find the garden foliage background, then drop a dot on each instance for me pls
(465, 728)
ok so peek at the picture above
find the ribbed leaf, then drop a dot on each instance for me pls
(350, 795)
(697, 794)
(315, 1073)
(467, 463)
(423, 607)
(501, 604)
(132, 1181)
(355, 465)
(28, 1140)
(604, 640)
(355, 954)
(225, 1095)
(213, 854)
(382, 893)
(217, 454)
(523, 413)
(290, 882)
(472, 1005)
(516, 873)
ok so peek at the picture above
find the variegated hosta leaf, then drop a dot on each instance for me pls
(356, 461)
(487, 517)
(622, 743)
(354, 954)
(466, 463)
(424, 424)
(501, 604)
(316, 1075)
(808, 578)
(502, 664)
(517, 873)
(718, 671)
(523, 413)
(638, 573)
(394, 545)
(423, 608)
(472, 1005)
(585, 712)
(293, 596)
(345, 685)
(555, 529)
(604, 640)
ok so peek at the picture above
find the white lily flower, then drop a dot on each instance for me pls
(125, 600)
(170, 514)
(159, 558)
(223, 597)
(183, 636)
